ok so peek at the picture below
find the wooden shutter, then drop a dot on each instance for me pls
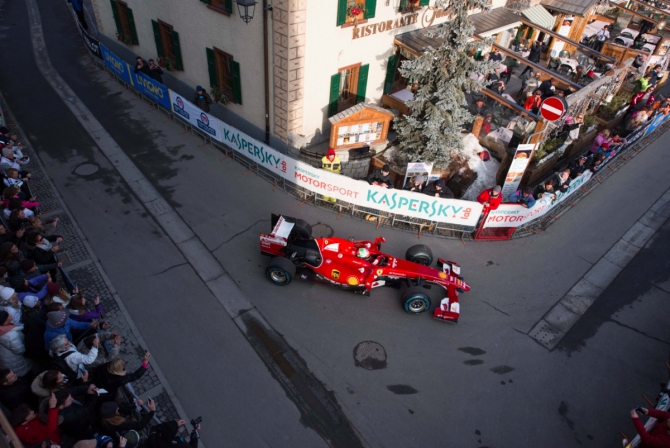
(334, 93)
(237, 81)
(371, 6)
(211, 66)
(176, 49)
(206, 1)
(157, 37)
(342, 12)
(117, 19)
(390, 74)
(131, 25)
(362, 83)
(229, 6)
(424, 2)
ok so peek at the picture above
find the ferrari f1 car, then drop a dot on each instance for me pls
(360, 266)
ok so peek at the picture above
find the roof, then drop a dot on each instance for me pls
(540, 16)
(357, 108)
(485, 24)
(577, 7)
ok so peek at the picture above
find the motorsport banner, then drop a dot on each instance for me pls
(92, 44)
(151, 88)
(117, 65)
(656, 122)
(323, 182)
(514, 215)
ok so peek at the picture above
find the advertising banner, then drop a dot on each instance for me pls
(418, 169)
(658, 120)
(516, 169)
(514, 215)
(151, 88)
(194, 115)
(92, 44)
(117, 65)
(323, 182)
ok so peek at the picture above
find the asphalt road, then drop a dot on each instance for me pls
(482, 382)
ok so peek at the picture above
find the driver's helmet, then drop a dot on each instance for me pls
(363, 253)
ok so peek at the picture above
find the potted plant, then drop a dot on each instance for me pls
(124, 38)
(589, 123)
(609, 111)
(166, 63)
(356, 11)
(218, 95)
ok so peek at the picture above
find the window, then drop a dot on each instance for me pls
(167, 45)
(394, 81)
(224, 74)
(125, 22)
(348, 87)
(412, 5)
(222, 6)
(344, 7)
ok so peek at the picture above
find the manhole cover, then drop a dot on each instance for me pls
(86, 169)
(322, 231)
(370, 355)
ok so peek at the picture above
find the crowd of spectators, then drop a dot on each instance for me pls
(60, 372)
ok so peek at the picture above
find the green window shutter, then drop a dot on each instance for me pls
(179, 64)
(424, 2)
(117, 19)
(371, 6)
(362, 83)
(390, 74)
(206, 1)
(403, 5)
(237, 81)
(211, 65)
(342, 12)
(334, 93)
(157, 36)
(131, 24)
(229, 6)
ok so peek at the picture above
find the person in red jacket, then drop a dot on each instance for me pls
(31, 430)
(659, 436)
(490, 198)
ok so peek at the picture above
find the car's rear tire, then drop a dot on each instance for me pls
(420, 253)
(280, 271)
(302, 229)
(415, 300)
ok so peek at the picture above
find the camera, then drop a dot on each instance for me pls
(640, 410)
(196, 421)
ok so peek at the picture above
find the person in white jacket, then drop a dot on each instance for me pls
(12, 346)
(61, 346)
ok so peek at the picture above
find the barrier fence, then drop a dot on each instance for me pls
(396, 208)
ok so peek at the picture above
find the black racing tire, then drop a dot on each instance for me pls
(302, 229)
(280, 271)
(415, 300)
(420, 253)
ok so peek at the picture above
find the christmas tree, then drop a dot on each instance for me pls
(433, 131)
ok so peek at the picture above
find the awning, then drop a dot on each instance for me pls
(540, 16)
(576, 7)
(485, 25)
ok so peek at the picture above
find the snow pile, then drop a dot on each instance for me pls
(486, 171)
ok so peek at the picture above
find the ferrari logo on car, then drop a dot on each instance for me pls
(380, 271)
(335, 274)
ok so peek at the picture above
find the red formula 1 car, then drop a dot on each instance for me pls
(360, 266)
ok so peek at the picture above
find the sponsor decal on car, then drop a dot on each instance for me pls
(335, 274)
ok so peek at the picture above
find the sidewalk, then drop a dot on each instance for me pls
(83, 266)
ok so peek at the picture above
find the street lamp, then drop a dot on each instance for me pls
(243, 7)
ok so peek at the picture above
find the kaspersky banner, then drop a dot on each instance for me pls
(452, 211)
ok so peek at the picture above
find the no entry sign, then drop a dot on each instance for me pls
(553, 108)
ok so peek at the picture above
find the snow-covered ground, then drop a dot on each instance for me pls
(486, 171)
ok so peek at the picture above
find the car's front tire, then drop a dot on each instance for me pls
(420, 253)
(280, 271)
(415, 300)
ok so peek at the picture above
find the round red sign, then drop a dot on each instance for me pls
(553, 108)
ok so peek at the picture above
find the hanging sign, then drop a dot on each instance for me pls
(418, 169)
(516, 169)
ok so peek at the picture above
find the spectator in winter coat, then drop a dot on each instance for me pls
(578, 166)
(548, 187)
(438, 189)
(533, 102)
(381, 177)
(570, 125)
(48, 382)
(530, 84)
(14, 390)
(75, 418)
(12, 346)
(42, 250)
(166, 435)
(523, 197)
(79, 311)
(155, 71)
(34, 330)
(563, 180)
(416, 184)
(78, 7)
(600, 138)
(9, 303)
(104, 356)
(112, 422)
(58, 322)
(547, 88)
(30, 430)
(654, 75)
(478, 107)
(141, 66)
(534, 55)
(202, 99)
(77, 362)
(659, 436)
(598, 161)
(113, 375)
(490, 198)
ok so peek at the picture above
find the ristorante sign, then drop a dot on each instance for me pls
(428, 17)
